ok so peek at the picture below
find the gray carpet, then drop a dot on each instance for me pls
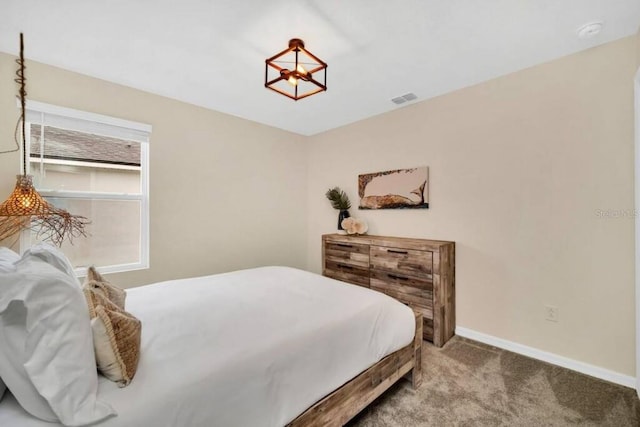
(466, 383)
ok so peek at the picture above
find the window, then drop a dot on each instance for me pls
(95, 166)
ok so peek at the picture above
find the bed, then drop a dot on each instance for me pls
(269, 346)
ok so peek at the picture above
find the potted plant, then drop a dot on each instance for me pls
(340, 201)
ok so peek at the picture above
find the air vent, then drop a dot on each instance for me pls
(404, 98)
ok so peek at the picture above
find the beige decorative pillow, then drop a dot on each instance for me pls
(116, 337)
(96, 282)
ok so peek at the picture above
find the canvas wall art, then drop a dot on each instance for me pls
(396, 189)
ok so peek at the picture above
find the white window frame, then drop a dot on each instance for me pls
(82, 121)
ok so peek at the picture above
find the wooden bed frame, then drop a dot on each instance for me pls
(339, 407)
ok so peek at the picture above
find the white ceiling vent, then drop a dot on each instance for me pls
(404, 98)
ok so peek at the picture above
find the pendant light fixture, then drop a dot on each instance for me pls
(295, 72)
(25, 208)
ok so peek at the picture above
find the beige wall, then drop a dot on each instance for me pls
(226, 193)
(524, 170)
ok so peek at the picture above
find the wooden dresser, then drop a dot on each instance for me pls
(417, 272)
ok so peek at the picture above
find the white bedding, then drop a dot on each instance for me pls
(249, 348)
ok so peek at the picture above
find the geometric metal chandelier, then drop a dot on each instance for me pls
(26, 208)
(295, 72)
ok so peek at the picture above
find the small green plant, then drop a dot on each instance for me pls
(338, 198)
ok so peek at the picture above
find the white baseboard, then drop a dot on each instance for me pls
(554, 359)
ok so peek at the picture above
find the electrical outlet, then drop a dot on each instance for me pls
(551, 313)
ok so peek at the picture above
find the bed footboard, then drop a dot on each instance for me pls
(339, 407)
(416, 371)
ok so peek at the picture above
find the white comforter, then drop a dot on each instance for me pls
(249, 348)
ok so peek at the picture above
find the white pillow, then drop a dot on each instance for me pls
(54, 257)
(7, 259)
(46, 357)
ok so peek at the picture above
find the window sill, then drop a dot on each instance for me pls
(110, 269)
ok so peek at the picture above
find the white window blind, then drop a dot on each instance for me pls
(97, 124)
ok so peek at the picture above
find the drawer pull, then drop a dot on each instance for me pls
(393, 276)
(346, 267)
(393, 251)
(344, 246)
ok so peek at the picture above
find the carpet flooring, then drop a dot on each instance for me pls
(466, 383)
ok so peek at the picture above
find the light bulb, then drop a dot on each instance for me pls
(292, 81)
(300, 69)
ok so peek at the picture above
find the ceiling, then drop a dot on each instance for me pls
(211, 52)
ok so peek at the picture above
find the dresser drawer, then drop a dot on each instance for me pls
(347, 273)
(353, 254)
(402, 261)
(423, 303)
(412, 284)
